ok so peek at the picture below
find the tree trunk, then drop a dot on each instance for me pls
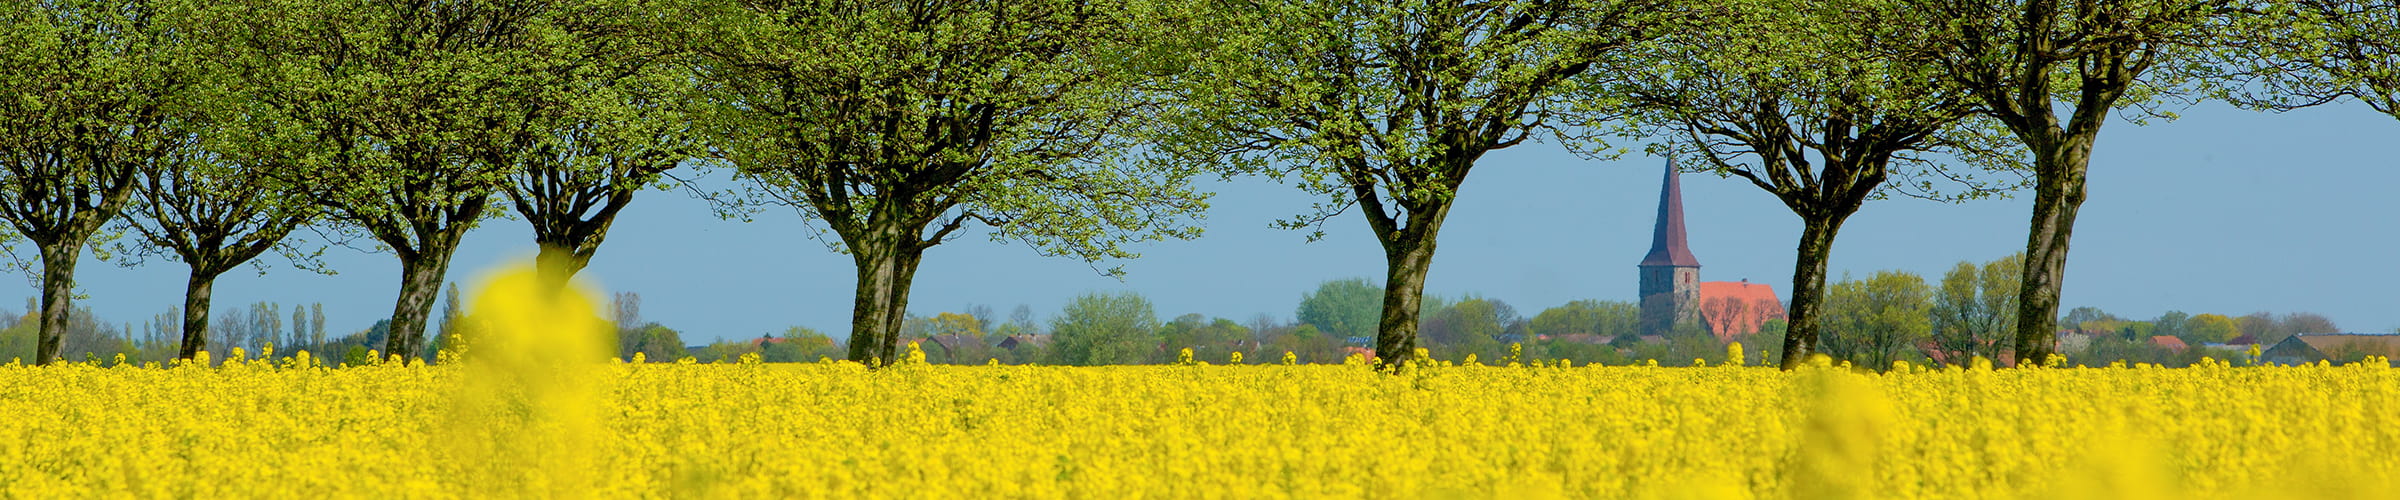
(58, 293)
(420, 280)
(887, 265)
(1406, 261)
(1802, 327)
(197, 293)
(2058, 194)
(556, 264)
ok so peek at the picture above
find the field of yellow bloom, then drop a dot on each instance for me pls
(750, 430)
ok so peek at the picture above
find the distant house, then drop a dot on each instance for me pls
(1015, 341)
(1362, 351)
(2169, 343)
(946, 343)
(2308, 348)
(1734, 308)
(2244, 341)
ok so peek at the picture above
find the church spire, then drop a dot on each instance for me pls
(1666, 244)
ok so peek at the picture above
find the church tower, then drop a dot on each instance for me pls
(1670, 275)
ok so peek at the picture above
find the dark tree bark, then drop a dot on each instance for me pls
(2058, 196)
(420, 284)
(571, 212)
(887, 266)
(198, 291)
(1408, 255)
(1801, 325)
(58, 295)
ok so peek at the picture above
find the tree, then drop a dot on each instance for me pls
(965, 325)
(800, 344)
(2308, 322)
(1473, 326)
(452, 321)
(1878, 319)
(614, 119)
(1974, 309)
(266, 323)
(1602, 318)
(625, 309)
(2087, 315)
(1387, 106)
(2293, 54)
(412, 107)
(1955, 309)
(1823, 104)
(316, 324)
(299, 338)
(1102, 329)
(2172, 323)
(95, 91)
(1345, 308)
(214, 205)
(2209, 329)
(2024, 59)
(2002, 285)
(897, 125)
(1020, 322)
(1209, 339)
(655, 343)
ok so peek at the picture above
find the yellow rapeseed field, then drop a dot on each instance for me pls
(257, 429)
(556, 426)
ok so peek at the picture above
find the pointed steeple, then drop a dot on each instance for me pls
(1666, 245)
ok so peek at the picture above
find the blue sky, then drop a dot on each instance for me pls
(2224, 211)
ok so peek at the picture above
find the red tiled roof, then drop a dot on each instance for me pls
(2169, 342)
(2245, 339)
(1732, 308)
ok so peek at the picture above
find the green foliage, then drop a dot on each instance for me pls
(1974, 309)
(1825, 104)
(657, 344)
(1383, 106)
(1603, 318)
(1346, 308)
(1875, 321)
(402, 115)
(1209, 339)
(938, 114)
(1473, 326)
(800, 344)
(2207, 329)
(2287, 54)
(1104, 328)
(612, 117)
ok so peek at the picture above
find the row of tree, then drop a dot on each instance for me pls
(1898, 316)
(214, 129)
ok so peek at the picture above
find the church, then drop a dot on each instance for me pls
(1671, 289)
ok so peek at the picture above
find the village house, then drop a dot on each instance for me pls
(2308, 348)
